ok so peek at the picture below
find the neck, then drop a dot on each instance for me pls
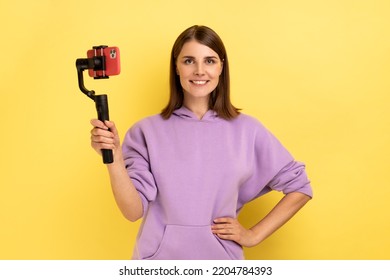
(198, 107)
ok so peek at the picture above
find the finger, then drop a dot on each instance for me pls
(223, 220)
(102, 145)
(221, 226)
(227, 237)
(99, 146)
(224, 231)
(101, 132)
(102, 139)
(99, 124)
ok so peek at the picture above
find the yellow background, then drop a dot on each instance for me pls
(316, 73)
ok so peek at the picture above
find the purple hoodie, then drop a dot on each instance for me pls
(189, 172)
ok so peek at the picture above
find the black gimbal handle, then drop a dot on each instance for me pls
(101, 102)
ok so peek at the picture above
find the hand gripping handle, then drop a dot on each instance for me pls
(101, 103)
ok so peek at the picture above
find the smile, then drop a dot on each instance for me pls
(199, 82)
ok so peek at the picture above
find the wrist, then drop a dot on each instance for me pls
(118, 159)
(257, 235)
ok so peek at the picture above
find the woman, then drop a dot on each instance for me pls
(189, 170)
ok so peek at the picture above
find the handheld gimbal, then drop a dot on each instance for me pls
(102, 62)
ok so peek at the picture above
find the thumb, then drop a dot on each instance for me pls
(110, 124)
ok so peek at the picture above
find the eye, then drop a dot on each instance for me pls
(211, 61)
(188, 61)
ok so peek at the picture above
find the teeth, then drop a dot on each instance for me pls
(199, 82)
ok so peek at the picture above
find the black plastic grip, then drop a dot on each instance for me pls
(101, 102)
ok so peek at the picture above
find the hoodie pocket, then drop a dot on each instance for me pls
(189, 243)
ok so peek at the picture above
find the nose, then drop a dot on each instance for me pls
(199, 69)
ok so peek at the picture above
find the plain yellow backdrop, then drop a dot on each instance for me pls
(316, 73)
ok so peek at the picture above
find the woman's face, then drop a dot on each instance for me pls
(199, 68)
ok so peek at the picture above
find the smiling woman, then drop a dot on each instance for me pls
(221, 160)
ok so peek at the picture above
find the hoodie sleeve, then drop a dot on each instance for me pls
(136, 158)
(272, 168)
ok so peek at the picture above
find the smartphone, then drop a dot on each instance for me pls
(112, 59)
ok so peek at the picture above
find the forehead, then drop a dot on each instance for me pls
(196, 49)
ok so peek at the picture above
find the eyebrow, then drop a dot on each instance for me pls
(192, 57)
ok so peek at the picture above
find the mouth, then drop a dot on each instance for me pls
(199, 83)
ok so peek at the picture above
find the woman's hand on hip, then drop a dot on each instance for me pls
(230, 229)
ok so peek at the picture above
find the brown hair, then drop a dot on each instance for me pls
(220, 97)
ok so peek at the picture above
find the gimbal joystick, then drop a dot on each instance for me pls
(99, 68)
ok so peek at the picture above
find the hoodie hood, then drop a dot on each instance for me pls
(185, 113)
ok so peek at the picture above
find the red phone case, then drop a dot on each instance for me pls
(112, 56)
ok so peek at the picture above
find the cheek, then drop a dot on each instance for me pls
(217, 75)
(183, 82)
(183, 73)
(216, 81)
(217, 72)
